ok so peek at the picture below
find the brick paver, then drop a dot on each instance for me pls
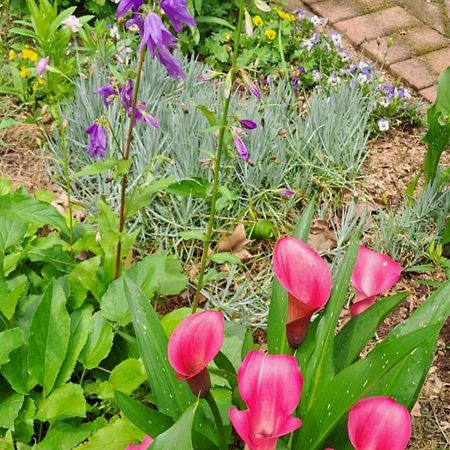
(411, 38)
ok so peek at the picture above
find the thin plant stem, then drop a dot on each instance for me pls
(218, 159)
(281, 50)
(65, 157)
(126, 156)
(219, 425)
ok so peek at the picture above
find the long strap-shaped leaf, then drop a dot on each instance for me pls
(171, 396)
(276, 325)
(320, 369)
(338, 396)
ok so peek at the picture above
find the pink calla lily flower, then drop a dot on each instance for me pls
(144, 445)
(379, 423)
(193, 345)
(373, 274)
(270, 386)
(307, 278)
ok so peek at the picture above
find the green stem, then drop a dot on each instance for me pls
(216, 414)
(218, 159)
(281, 50)
(126, 156)
(65, 158)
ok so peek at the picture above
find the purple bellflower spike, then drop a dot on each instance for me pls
(178, 14)
(241, 148)
(251, 86)
(126, 95)
(144, 117)
(127, 5)
(107, 91)
(159, 41)
(248, 124)
(98, 141)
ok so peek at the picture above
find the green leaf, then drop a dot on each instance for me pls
(214, 20)
(359, 330)
(99, 342)
(263, 229)
(276, 326)
(116, 435)
(9, 341)
(127, 376)
(64, 436)
(11, 291)
(335, 398)
(102, 166)
(83, 279)
(192, 235)
(10, 406)
(143, 194)
(320, 369)
(21, 207)
(171, 320)
(150, 421)
(179, 435)
(195, 187)
(24, 424)
(7, 122)
(12, 233)
(64, 402)
(171, 395)
(209, 115)
(80, 327)
(49, 337)
(224, 257)
(5, 186)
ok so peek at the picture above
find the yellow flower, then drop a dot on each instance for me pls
(284, 15)
(40, 80)
(27, 53)
(270, 34)
(227, 37)
(11, 55)
(24, 72)
(257, 21)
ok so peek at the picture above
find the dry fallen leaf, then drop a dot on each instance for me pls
(235, 243)
(321, 238)
(415, 412)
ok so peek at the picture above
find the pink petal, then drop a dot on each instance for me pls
(270, 385)
(360, 306)
(195, 343)
(379, 423)
(144, 445)
(302, 272)
(374, 272)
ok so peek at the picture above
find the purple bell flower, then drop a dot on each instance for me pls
(241, 148)
(127, 5)
(98, 141)
(106, 91)
(178, 14)
(248, 124)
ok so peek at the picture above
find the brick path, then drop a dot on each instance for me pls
(410, 38)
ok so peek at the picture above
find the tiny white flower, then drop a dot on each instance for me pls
(73, 23)
(336, 38)
(363, 78)
(385, 102)
(116, 1)
(333, 79)
(114, 32)
(317, 76)
(383, 125)
(317, 21)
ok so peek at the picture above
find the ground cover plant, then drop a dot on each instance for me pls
(159, 155)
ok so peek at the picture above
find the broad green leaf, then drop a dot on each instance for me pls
(7, 442)
(64, 402)
(334, 400)
(9, 341)
(263, 229)
(171, 320)
(276, 326)
(179, 435)
(142, 195)
(225, 257)
(150, 421)
(24, 424)
(214, 20)
(64, 436)
(8, 122)
(99, 342)
(10, 293)
(171, 395)
(102, 166)
(10, 405)
(80, 327)
(192, 235)
(83, 279)
(21, 207)
(127, 376)
(320, 369)
(195, 187)
(209, 115)
(12, 233)
(5, 186)
(117, 435)
(49, 337)
(349, 342)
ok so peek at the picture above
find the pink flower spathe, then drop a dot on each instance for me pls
(144, 445)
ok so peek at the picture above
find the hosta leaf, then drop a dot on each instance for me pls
(349, 342)
(49, 337)
(276, 326)
(64, 402)
(171, 395)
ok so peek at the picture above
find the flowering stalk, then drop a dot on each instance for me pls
(216, 414)
(218, 157)
(126, 156)
(65, 158)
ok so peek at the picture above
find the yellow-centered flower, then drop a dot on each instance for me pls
(257, 21)
(12, 55)
(283, 14)
(270, 34)
(27, 53)
(24, 72)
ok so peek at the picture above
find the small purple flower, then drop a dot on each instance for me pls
(42, 66)
(248, 124)
(208, 75)
(287, 192)
(98, 141)
(126, 95)
(142, 116)
(106, 91)
(295, 83)
(241, 148)
(177, 13)
(158, 40)
(251, 86)
(127, 5)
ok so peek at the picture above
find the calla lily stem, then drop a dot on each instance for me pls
(215, 412)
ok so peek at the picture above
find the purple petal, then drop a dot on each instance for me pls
(248, 124)
(241, 148)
